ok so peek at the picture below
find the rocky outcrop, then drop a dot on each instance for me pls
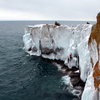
(93, 88)
(95, 35)
(67, 47)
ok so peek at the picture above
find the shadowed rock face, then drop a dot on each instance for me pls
(48, 51)
(98, 18)
(95, 35)
(96, 75)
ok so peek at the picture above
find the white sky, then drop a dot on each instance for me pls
(49, 9)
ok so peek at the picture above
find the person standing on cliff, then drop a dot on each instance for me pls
(95, 35)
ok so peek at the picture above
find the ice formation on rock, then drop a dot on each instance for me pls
(61, 43)
(66, 43)
(92, 87)
(90, 93)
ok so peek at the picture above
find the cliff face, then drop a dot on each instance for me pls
(61, 43)
(93, 89)
(69, 45)
(95, 35)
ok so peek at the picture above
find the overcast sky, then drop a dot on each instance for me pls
(49, 9)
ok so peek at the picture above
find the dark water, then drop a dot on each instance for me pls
(24, 77)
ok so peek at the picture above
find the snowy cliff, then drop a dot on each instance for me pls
(65, 43)
(60, 42)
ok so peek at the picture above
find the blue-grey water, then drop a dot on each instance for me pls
(24, 77)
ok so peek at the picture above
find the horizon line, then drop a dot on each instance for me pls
(50, 20)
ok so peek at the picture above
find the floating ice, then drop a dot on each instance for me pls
(66, 80)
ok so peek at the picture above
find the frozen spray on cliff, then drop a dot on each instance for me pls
(58, 42)
(92, 87)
